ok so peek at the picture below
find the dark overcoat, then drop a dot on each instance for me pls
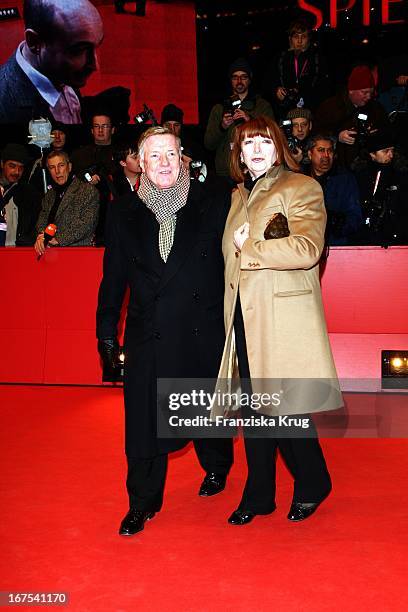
(174, 325)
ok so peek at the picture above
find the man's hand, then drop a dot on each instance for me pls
(281, 94)
(297, 155)
(227, 120)
(108, 349)
(347, 137)
(39, 245)
(95, 179)
(240, 115)
(240, 235)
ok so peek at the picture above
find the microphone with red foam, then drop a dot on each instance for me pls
(49, 234)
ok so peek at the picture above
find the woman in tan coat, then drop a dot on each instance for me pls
(274, 318)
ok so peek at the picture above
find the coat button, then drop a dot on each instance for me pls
(136, 259)
(157, 335)
(232, 286)
(196, 331)
(236, 253)
(204, 254)
(196, 295)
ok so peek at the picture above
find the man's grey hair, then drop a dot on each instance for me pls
(312, 140)
(62, 154)
(156, 130)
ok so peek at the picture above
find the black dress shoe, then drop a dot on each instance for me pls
(212, 484)
(241, 517)
(300, 511)
(134, 521)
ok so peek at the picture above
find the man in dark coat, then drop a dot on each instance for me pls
(165, 243)
(297, 76)
(382, 177)
(351, 115)
(20, 203)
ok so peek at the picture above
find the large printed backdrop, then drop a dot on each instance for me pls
(154, 56)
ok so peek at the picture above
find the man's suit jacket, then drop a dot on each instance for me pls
(77, 214)
(174, 325)
(19, 99)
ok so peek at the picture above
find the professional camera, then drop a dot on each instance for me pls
(89, 172)
(362, 129)
(293, 142)
(232, 104)
(198, 170)
(145, 116)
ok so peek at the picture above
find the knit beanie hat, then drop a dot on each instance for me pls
(14, 152)
(240, 65)
(299, 113)
(381, 139)
(171, 112)
(360, 78)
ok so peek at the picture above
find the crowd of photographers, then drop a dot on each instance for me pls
(347, 142)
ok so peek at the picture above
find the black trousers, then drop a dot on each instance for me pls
(146, 477)
(303, 456)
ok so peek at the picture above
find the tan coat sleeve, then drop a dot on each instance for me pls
(303, 247)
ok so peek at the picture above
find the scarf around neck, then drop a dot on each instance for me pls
(164, 203)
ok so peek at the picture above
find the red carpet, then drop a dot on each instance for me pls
(63, 497)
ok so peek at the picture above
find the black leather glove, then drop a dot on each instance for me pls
(108, 349)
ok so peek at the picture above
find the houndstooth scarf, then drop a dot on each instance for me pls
(164, 204)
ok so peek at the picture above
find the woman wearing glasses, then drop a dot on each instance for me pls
(275, 322)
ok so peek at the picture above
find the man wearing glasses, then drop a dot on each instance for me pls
(241, 106)
(94, 163)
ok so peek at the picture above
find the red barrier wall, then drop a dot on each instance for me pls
(47, 312)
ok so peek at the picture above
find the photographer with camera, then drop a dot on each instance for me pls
(94, 164)
(341, 196)
(240, 107)
(297, 128)
(298, 76)
(352, 114)
(382, 176)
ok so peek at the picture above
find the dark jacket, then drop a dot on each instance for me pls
(342, 201)
(219, 140)
(174, 324)
(28, 201)
(386, 210)
(311, 80)
(338, 113)
(19, 99)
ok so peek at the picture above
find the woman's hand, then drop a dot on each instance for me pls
(240, 235)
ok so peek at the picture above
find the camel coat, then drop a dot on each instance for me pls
(278, 282)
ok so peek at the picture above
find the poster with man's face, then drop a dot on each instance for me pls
(71, 49)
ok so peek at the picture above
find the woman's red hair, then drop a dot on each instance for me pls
(267, 128)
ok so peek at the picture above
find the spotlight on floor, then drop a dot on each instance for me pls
(394, 369)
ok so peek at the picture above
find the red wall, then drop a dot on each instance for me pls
(47, 312)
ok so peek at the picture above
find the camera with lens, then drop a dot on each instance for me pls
(362, 129)
(293, 142)
(89, 172)
(145, 116)
(232, 104)
(198, 170)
